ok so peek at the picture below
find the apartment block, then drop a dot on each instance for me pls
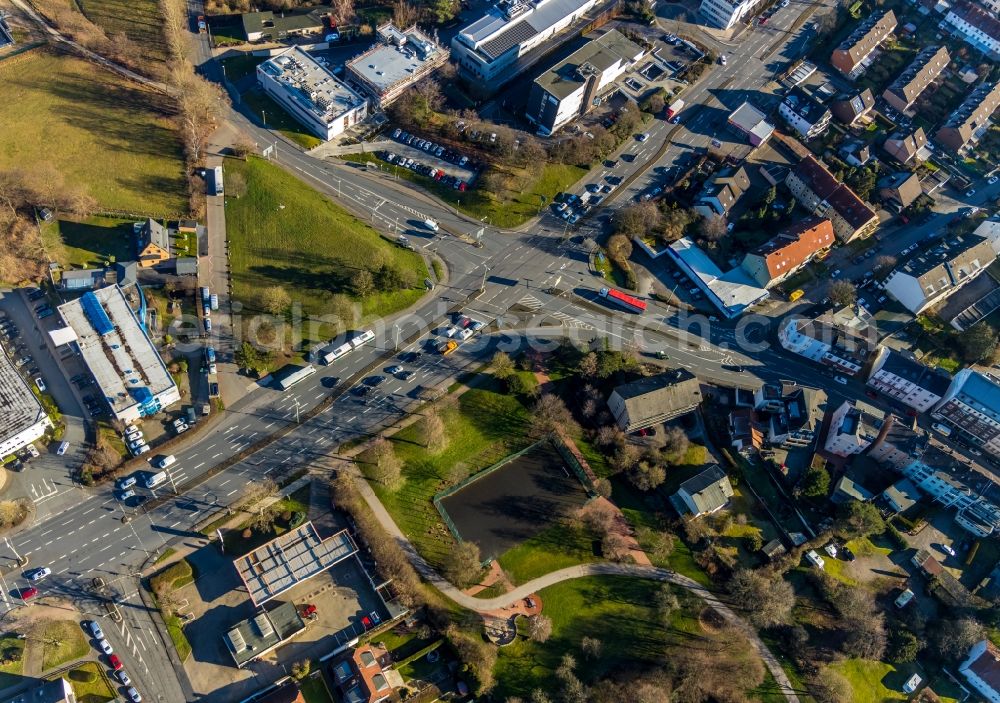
(972, 408)
(804, 114)
(853, 427)
(818, 191)
(977, 27)
(399, 59)
(916, 77)
(973, 512)
(790, 250)
(841, 340)
(972, 119)
(725, 14)
(901, 377)
(851, 54)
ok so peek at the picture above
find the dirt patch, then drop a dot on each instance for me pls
(711, 621)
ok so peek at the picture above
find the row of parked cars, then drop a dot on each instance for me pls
(114, 661)
(441, 152)
(463, 328)
(425, 170)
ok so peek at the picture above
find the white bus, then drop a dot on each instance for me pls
(288, 380)
(362, 338)
(334, 354)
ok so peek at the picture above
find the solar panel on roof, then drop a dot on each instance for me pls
(96, 314)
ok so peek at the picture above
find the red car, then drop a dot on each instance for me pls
(28, 593)
(115, 662)
(366, 621)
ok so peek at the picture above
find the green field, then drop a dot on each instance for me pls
(875, 682)
(140, 21)
(98, 690)
(88, 243)
(486, 426)
(516, 209)
(10, 673)
(62, 642)
(617, 610)
(275, 117)
(315, 691)
(553, 548)
(284, 233)
(99, 131)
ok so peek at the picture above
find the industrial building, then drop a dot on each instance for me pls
(23, 419)
(488, 50)
(751, 123)
(311, 94)
(732, 292)
(574, 86)
(128, 369)
(398, 60)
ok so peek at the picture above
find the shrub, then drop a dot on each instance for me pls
(82, 676)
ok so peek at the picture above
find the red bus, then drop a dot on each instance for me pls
(629, 302)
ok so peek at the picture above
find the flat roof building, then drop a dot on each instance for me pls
(311, 94)
(399, 59)
(751, 122)
(254, 637)
(971, 120)
(972, 408)
(23, 420)
(850, 56)
(726, 14)
(575, 85)
(129, 371)
(488, 49)
(732, 293)
(804, 114)
(853, 427)
(916, 77)
(56, 691)
(268, 26)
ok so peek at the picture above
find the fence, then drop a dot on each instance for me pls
(575, 465)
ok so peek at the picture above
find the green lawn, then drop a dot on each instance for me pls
(90, 242)
(485, 426)
(617, 610)
(553, 548)
(275, 117)
(62, 642)
(10, 674)
(240, 65)
(99, 131)
(875, 682)
(97, 691)
(513, 210)
(284, 233)
(315, 691)
(140, 20)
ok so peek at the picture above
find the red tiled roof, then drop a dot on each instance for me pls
(821, 182)
(795, 245)
(977, 17)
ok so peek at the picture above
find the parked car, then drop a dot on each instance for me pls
(39, 573)
(40, 384)
(105, 647)
(94, 629)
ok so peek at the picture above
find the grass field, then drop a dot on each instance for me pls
(63, 642)
(554, 548)
(485, 426)
(88, 243)
(275, 117)
(315, 691)
(516, 209)
(284, 233)
(10, 674)
(97, 691)
(875, 682)
(99, 131)
(618, 611)
(140, 20)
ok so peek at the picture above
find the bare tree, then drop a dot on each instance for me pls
(830, 686)
(615, 547)
(539, 628)
(766, 600)
(503, 365)
(953, 638)
(591, 647)
(200, 106)
(885, 262)
(866, 637)
(274, 299)
(713, 228)
(404, 14)
(619, 247)
(659, 545)
(431, 428)
(342, 11)
(463, 567)
(602, 487)
(843, 293)
(588, 365)
(382, 463)
(610, 436)
(550, 414)
(636, 220)
(666, 603)
(675, 444)
(363, 283)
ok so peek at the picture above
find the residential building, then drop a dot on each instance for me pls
(790, 250)
(855, 152)
(81, 279)
(840, 340)
(901, 496)
(915, 79)
(721, 192)
(751, 123)
(819, 192)
(703, 494)
(655, 399)
(116, 349)
(971, 121)
(365, 675)
(853, 427)
(904, 379)
(972, 408)
(55, 691)
(311, 94)
(726, 14)
(939, 272)
(287, 692)
(804, 114)
(977, 27)
(23, 419)
(399, 59)
(153, 244)
(253, 638)
(973, 512)
(851, 109)
(791, 413)
(899, 190)
(744, 430)
(982, 670)
(269, 27)
(851, 55)
(908, 148)
(902, 442)
(575, 85)
(849, 489)
(488, 50)
(732, 292)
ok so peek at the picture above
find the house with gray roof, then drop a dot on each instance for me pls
(901, 496)
(153, 247)
(650, 401)
(705, 493)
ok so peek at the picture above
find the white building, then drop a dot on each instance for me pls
(982, 670)
(703, 494)
(974, 513)
(839, 340)
(805, 115)
(976, 26)
(129, 372)
(972, 408)
(905, 379)
(398, 60)
(23, 420)
(732, 293)
(572, 87)
(487, 50)
(853, 428)
(311, 94)
(725, 14)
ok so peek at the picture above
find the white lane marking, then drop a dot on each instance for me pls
(198, 466)
(231, 492)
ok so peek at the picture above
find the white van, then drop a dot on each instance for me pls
(166, 461)
(943, 429)
(431, 225)
(155, 480)
(815, 559)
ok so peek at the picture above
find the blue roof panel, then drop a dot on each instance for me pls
(96, 313)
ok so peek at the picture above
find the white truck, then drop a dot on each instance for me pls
(217, 180)
(431, 225)
(675, 107)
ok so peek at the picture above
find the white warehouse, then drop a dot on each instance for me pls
(118, 353)
(311, 94)
(23, 419)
